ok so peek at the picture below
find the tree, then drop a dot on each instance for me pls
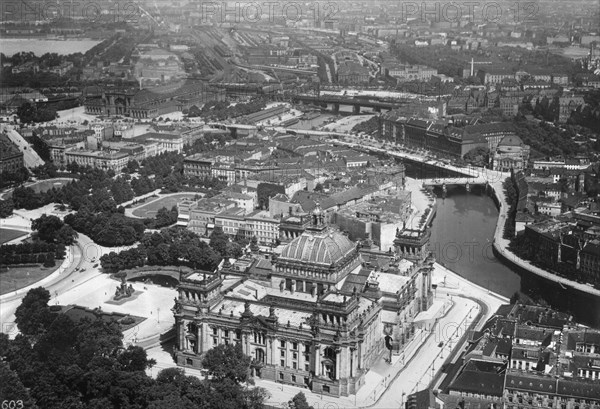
(6, 208)
(227, 362)
(66, 235)
(165, 217)
(47, 227)
(478, 156)
(254, 244)
(134, 358)
(33, 315)
(265, 191)
(299, 401)
(29, 112)
(256, 397)
(12, 389)
(233, 250)
(132, 166)
(240, 239)
(218, 241)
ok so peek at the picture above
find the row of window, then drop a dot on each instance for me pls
(294, 379)
(524, 397)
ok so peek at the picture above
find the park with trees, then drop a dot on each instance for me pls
(60, 360)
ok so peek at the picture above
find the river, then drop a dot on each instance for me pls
(461, 240)
(40, 46)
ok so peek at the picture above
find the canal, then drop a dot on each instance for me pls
(461, 240)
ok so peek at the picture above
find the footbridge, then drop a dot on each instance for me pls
(467, 182)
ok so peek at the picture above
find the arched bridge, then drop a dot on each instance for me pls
(479, 180)
(356, 103)
(467, 182)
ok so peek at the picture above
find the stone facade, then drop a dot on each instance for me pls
(303, 322)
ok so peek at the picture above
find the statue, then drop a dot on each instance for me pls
(247, 311)
(123, 290)
(177, 306)
(272, 311)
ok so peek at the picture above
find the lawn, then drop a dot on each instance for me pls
(7, 235)
(45, 185)
(20, 277)
(150, 209)
(42, 186)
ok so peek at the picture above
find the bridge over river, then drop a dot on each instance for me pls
(462, 181)
(335, 101)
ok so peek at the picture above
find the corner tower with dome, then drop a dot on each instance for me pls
(310, 316)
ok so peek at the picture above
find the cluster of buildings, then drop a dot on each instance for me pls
(34, 67)
(551, 188)
(510, 96)
(569, 244)
(453, 138)
(544, 78)
(152, 102)
(403, 72)
(155, 64)
(111, 145)
(113, 155)
(558, 220)
(274, 50)
(350, 68)
(526, 356)
(357, 193)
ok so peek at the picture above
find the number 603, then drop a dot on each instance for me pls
(12, 404)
